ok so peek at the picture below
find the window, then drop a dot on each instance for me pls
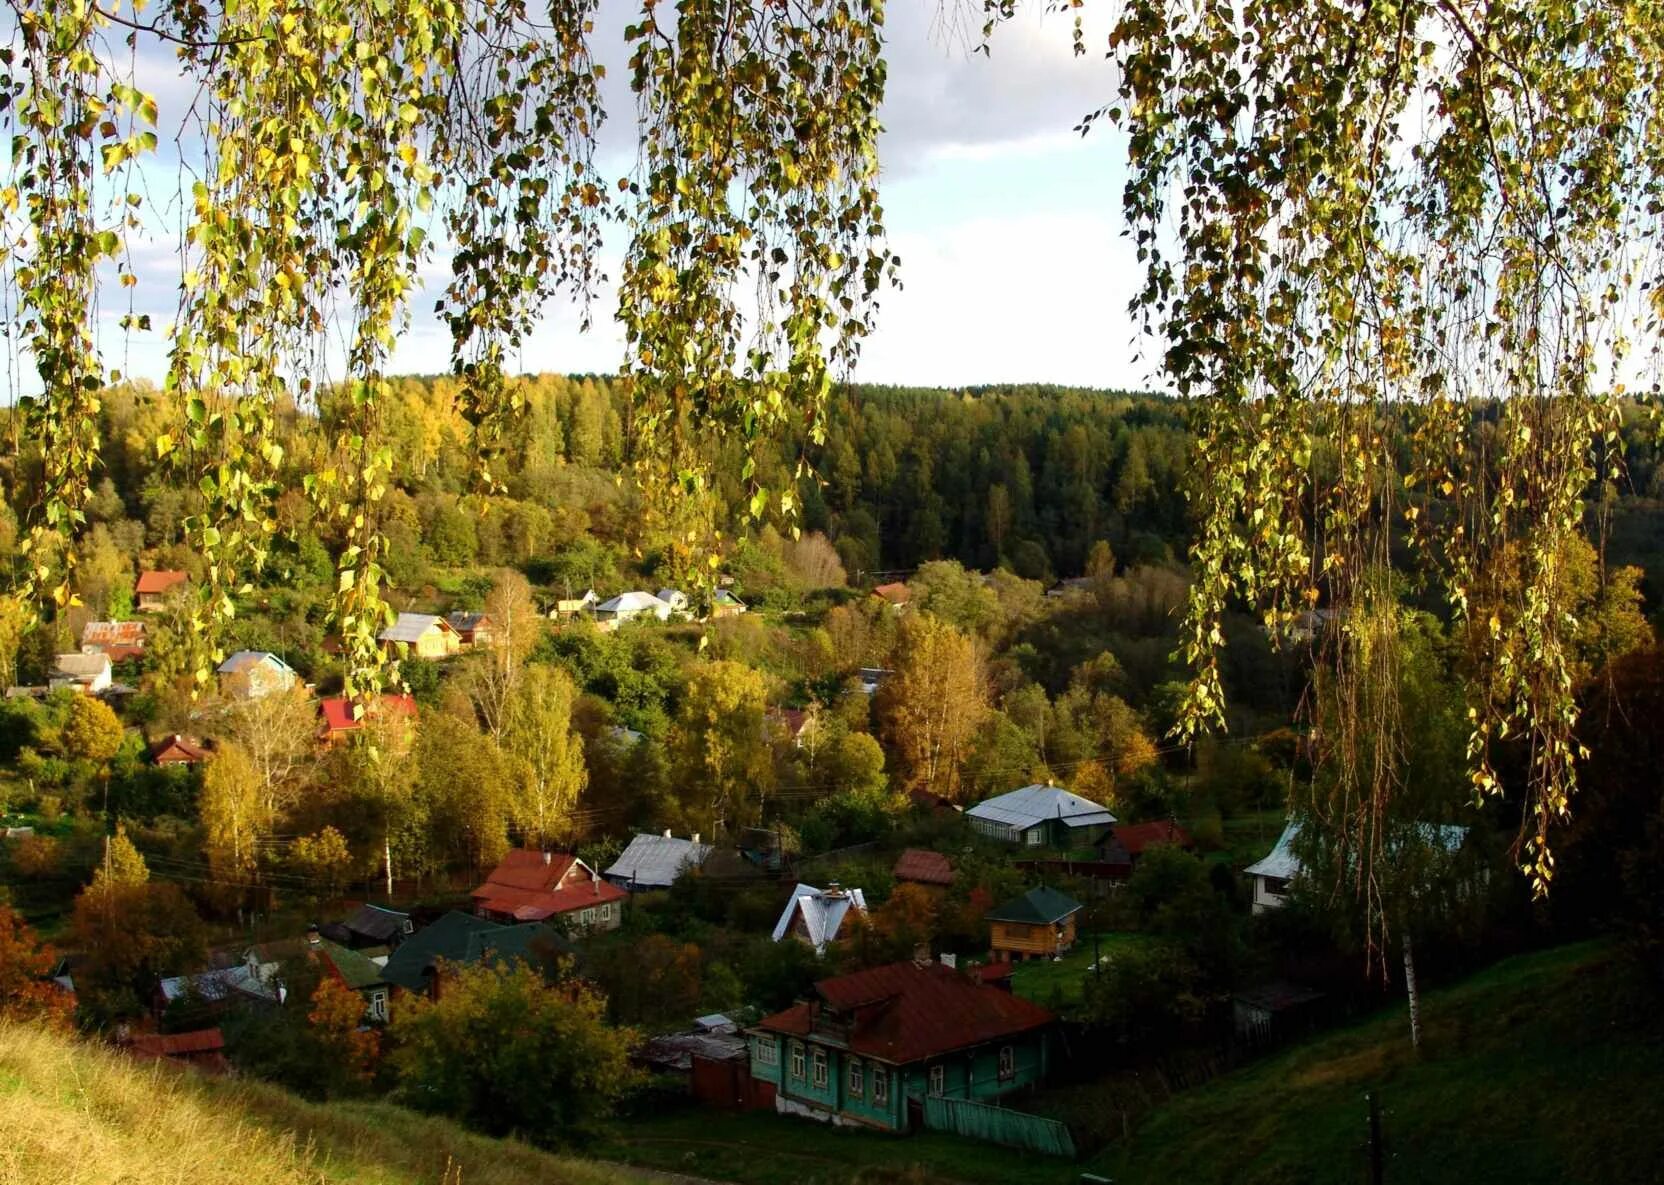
(818, 1066)
(797, 1061)
(1008, 1062)
(938, 1078)
(856, 1083)
(606, 912)
(880, 1086)
(378, 1005)
(1034, 836)
(587, 917)
(768, 1053)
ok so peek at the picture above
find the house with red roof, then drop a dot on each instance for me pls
(867, 1049)
(532, 886)
(119, 641)
(153, 588)
(178, 750)
(896, 593)
(1126, 842)
(202, 1048)
(923, 867)
(341, 721)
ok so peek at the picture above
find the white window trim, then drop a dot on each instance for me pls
(817, 1068)
(798, 1064)
(378, 1004)
(768, 1053)
(587, 917)
(857, 1079)
(1008, 1061)
(938, 1080)
(880, 1086)
(606, 911)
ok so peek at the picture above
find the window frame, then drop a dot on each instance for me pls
(857, 1079)
(938, 1080)
(587, 917)
(1008, 1062)
(800, 1063)
(378, 1004)
(818, 1076)
(768, 1051)
(880, 1086)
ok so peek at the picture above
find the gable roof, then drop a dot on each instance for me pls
(160, 580)
(1022, 809)
(923, 866)
(177, 1044)
(338, 715)
(379, 924)
(723, 597)
(244, 660)
(905, 1012)
(446, 938)
(1136, 837)
(523, 886)
(409, 627)
(631, 602)
(1282, 863)
(823, 912)
(1037, 907)
(178, 750)
(896, 592)
(123, 637)
(463, 622)
(655, 861)
(352, 968)
(81, 667)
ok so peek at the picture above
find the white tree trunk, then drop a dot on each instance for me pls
(1413, 991)
(387, 861)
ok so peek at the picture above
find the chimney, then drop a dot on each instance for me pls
(595, 881)
(696, 837)
(667, 833)
(547, 858)
(312, 935)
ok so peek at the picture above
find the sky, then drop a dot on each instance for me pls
(1007, 223)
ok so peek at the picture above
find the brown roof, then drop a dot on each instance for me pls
(178, 750)
(118, 639)
(1136, 837)
(524, 887)
(905, 1012)
(160, 582)
(895, 592)
(178, 1044)
(925, 867)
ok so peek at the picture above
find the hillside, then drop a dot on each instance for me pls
(74, 1114)
(1545, 1068)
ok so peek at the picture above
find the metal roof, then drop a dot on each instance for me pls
(822, 914)
(244, 659)
(81, 666)
(655, 861)
(632, 602)
(1283, 864)
(1037, 907)
(410, 627)
(1022, 809)
(924, 866)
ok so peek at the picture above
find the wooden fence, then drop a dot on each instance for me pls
(999, 1125)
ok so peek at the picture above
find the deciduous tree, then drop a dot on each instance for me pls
(929, 710)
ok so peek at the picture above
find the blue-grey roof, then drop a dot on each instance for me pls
(244, 659)
(655, 861)
(1022, 809)
(1283, 864)
(822, 914)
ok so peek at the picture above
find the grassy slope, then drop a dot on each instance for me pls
(75, 1114)
(1544, 1068)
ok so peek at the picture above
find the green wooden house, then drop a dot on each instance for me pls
(870, 1047)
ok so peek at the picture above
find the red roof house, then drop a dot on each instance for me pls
(532, 886)
(203, 1048)
(340, 721)
(120, 641)
(178, 750)
(896, 1032)
(1126, 842)
(153, 587)
(896, 592)
(923, 867)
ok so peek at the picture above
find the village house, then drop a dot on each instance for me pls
(868, 1048)
(920, 866)
(896, 594)
(615, 611)
(816, 915)
(797, 725)
(201, 1049)
(338, 721)
(461, 940)
(1126, 842)
(726, 604)
(1038, 925)
(1275, 874)
(370, 927)
(532, 886)
(1038, 816)
(677, 600)
(472, 629)
(153, 588)
(88, 673)
(119, 641)
(422, 635)
(872, 678)
(656, 861)
(254, 674)
(568, 607)
(176, 749)
(713, 1057)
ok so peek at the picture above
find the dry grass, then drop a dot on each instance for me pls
(77, 1114)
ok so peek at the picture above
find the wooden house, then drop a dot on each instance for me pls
(867, 1049)
(422, 635)
(119, 641)
(88, 673)
(253, 674)
(920, 866)
(532, 886)
(1041, 816)
(472, 629)
(176, 749)
(153, 588)
(1038, 925)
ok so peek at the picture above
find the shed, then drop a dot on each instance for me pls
(656, 861)
(422, 634)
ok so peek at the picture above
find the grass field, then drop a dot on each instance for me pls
(1059, 985)
(77, 1114)
(1545, 1068)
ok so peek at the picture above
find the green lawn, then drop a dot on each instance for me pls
(1059, 985)
(1248, 838)
(1544, 1068)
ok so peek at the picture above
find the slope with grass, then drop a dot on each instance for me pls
(1544, 1068)
(76, 1114)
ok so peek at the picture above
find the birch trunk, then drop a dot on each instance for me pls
(1413, 991)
